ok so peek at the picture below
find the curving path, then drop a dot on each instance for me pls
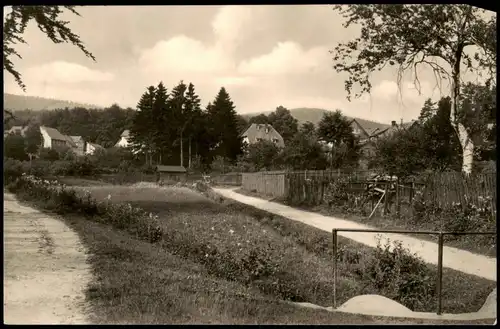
(45, 268)
(457, 259)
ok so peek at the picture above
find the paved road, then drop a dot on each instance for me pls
(460, 260)
(45, 268)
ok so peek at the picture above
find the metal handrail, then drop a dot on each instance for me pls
(441, 235)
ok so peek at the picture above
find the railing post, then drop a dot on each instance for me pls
(334, 233)
(440, 273)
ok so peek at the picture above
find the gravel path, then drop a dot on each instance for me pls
(460, 260)
(45, 268)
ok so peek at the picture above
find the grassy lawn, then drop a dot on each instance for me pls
(140, 283)
(296, 258)
(483, 245)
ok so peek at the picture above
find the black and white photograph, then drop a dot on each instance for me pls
(256, 164)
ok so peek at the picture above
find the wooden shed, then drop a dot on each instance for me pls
(171, 173)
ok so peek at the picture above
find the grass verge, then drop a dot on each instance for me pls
(136, 282)
(461, 292)
(293, 259)
(472, 243)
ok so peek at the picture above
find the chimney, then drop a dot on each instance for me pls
(393, 123)
(267, 129)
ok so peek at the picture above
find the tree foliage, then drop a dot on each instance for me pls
(478, 110)
(335, 130)
(48, 20)
(429, 145)
(284, 123)
(412, 35)
(263, 155)
(408, 36)
(439, 143)
(225, 136)
(142, 132)
(14, 147)
(259, 119)
(304, 152)
(400, 154)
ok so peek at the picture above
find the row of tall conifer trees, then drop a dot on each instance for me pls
(172, 127)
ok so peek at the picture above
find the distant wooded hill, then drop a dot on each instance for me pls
(314, 115)
(20, 102)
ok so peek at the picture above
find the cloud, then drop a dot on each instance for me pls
(385, 90)
(234, 81)
(228, 26)
(64, 72)
(183, 54)
(284, 59)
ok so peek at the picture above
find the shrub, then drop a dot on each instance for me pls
(455, 217)
(61, 167)
(396, 273)
(337, 195)
(58, 198)
(12, 169)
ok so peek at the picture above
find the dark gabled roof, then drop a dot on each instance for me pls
(54, 133)
(360, 126)
(256, 131)
(176, 169)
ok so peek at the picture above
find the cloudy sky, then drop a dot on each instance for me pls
(265, 56)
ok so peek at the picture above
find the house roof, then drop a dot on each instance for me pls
(360, 126)
(54, 134)
(18, 128)
(96, 146)
(70, 141)
(77, 139)
(125, 133)
(177, 169)
(263, 131)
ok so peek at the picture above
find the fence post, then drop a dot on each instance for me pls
(334, 233)
(440, 273)
(398, 202)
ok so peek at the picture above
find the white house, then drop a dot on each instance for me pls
(258, 132)
(124, 139)
(91, 148)
(17, 130)
(53, 139)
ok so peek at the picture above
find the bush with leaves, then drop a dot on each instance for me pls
(337, 195)
(396, 273)
(12, 169)
(53, 196)
(458, 217)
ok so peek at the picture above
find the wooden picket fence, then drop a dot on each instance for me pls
(454, 187)
(268, 183)
(309, 187)
(232, 179)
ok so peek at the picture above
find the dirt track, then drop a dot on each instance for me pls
(45, 268)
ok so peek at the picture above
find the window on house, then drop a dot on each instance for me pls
(275, 140)
(259, 139)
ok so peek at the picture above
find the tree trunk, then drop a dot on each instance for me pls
(182, 153)
(189, 164)
(463, 136)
